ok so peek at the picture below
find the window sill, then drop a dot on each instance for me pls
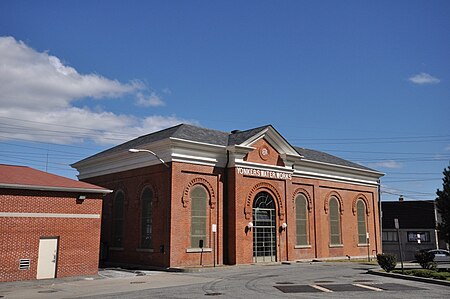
(197, 250)
(144, 249)
(336, 245)
(116, 248)
(363, 244)
(302, 246)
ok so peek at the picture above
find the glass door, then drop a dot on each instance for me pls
(264, 228)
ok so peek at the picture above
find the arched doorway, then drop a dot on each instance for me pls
(264, 228)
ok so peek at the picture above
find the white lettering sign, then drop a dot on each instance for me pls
(264, 173)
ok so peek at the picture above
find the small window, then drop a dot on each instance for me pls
(423, 236)
(301, 219)
(335, 222)
(198, 217)
(389, 236)
(361, 214)
(24, 264)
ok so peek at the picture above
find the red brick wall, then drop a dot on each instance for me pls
(78, 247)
(234, 245)
(184, 177)
(132, 183)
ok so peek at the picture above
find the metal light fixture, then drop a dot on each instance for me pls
(80, 199)
(283, 226)
(250, 225)
(134, 150)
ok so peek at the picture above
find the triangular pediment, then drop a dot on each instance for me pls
(265, 145)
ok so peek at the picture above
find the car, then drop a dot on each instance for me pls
(440, 255)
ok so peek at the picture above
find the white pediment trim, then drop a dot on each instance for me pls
(272, 137)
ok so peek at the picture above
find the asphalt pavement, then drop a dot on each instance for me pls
(299, 280)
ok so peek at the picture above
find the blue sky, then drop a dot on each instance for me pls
(364, 80)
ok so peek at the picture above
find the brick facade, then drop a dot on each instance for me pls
(78, 238)
(260, 160)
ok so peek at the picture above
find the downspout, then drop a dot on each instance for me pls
(315, 223)
(225, 241)
(380, 216)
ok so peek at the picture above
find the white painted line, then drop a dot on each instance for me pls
(321, 288)
(367, 287)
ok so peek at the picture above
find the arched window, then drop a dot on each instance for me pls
(301, 219)
(117, 220)
(362, 229)
(335, 222)
(198, 217)
(146, 218)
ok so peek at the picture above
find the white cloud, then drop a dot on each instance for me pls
(152, 100)
(423, 78)
(386, 164)
(38, 92)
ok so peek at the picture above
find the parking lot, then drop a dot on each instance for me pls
(297, 280)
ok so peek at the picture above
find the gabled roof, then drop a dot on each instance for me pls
(238, 137)
(215, 137)
(23, 177)
(317, 156)
(181, 131)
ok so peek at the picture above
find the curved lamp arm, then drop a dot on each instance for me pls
(134, 150)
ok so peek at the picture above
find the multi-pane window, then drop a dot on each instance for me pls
(146, 218)
(362, 229)
(117, 220)
(301, 219)
(198, 217)
(335, 222)
(423, 236)
(389, 236)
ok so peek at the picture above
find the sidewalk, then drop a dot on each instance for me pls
(107, 282)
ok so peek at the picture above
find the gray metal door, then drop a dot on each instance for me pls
(264, 228)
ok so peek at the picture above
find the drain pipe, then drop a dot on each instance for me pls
(225, 241)
(380, 217)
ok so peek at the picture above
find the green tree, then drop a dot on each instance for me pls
(443, 205)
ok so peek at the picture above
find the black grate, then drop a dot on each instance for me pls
(297, 289)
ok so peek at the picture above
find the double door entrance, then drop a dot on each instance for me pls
(264, 228)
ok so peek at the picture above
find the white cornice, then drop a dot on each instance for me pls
(332, 172)
(194, 144)
(330, 166)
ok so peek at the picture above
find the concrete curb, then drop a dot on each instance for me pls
(410, 277)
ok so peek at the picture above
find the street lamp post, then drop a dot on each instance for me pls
(134, 150)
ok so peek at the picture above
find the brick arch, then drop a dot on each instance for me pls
(307, 196)
(248, 209)
(198, 181)
(362, 197)
(119, 187)
(327, 201)
(148, 184)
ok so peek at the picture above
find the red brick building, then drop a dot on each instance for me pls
(49, 225)
(205, 197)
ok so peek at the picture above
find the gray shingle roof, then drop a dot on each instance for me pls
(239, 137)
(318, 156)
(194, 133)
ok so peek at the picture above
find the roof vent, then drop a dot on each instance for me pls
(235, 131)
